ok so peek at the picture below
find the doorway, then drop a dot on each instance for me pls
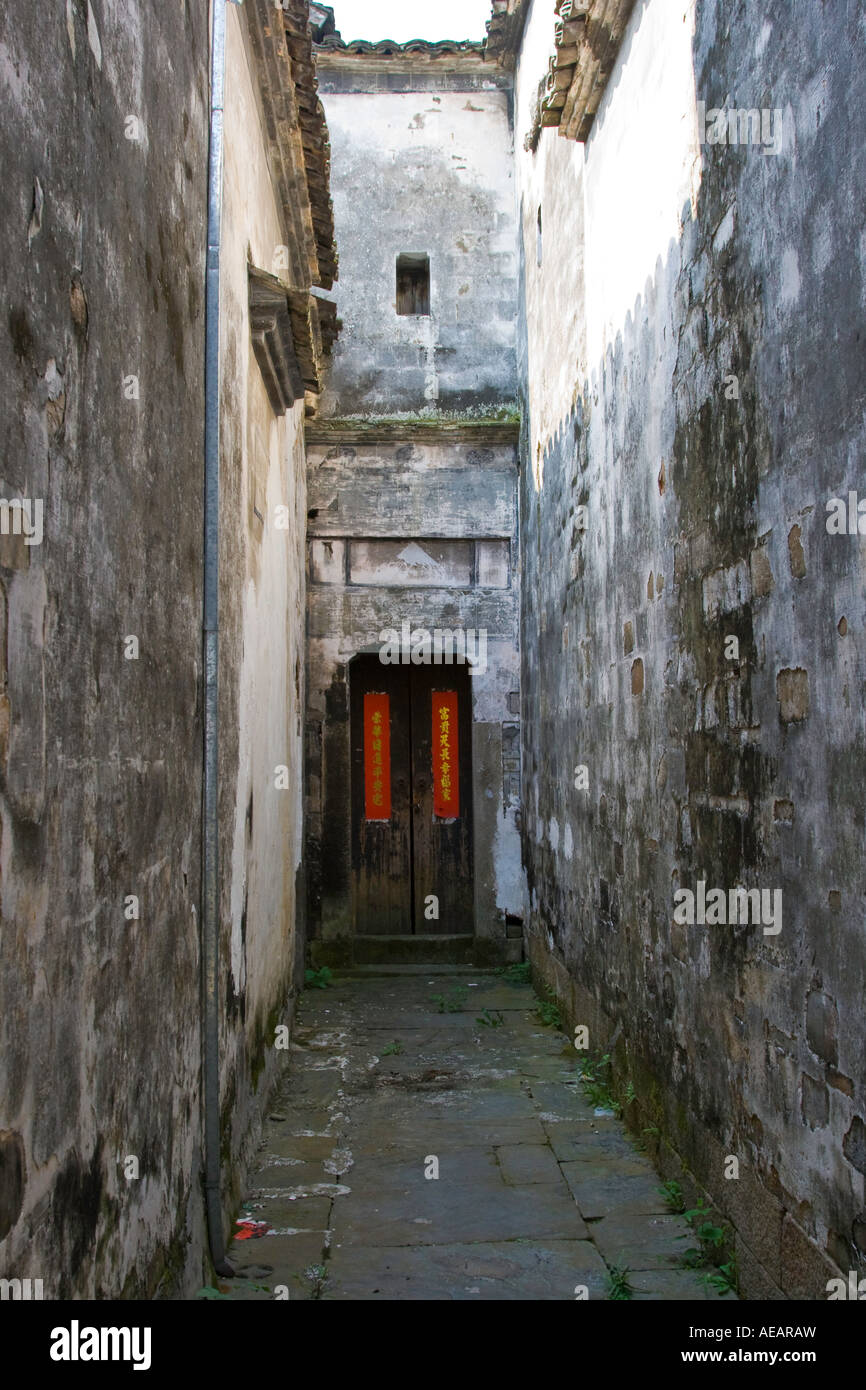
(411, 734)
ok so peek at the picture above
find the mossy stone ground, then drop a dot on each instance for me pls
(536, 1194)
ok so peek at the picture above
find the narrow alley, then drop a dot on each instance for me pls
(433, 656)
(431, 1140)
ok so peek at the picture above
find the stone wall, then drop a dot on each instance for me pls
(692, 376)
(104, 136)
(105, 143)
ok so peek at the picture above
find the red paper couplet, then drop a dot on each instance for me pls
(377, 757)
(446, 793)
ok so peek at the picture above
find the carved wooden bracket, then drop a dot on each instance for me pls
(289, 340)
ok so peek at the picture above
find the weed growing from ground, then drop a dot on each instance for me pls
(491, 1020)
(318, 1277)
(711, 1236)
(594, 1076)
(618, 1286)
(547, 1010)
(673, 1195)
(318, 979)
(724, 1279)
(452, 1002)
(519, 974)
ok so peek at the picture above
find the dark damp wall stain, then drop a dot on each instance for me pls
(100, 779)
(13, 1175)
(76, 1208)
(734, 767)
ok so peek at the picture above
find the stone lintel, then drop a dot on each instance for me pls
(417, 431)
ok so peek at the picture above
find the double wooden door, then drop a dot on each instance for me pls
(411, 730)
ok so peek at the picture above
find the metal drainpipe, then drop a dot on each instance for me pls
(210, 623)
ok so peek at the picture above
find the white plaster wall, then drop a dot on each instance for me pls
(611, 209)
(422, 172)
(262, 584)
(552, 179)
(642, 166)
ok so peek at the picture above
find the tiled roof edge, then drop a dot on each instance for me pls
(389, 48)
(314, 135)
(588, 35)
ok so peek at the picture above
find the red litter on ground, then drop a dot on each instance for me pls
(251, 1230)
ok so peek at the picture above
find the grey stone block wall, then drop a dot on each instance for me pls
(700, 391)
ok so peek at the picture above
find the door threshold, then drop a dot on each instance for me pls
(409, 950)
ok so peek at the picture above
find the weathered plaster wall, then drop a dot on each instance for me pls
(102, 267)
(423, 168)
(262, 560)
(704, 411)
(373, 507)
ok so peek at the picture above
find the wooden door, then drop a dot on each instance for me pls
(381, 833)
(442, 800)
(411, 730)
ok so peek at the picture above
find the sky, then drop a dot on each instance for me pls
(411, 19)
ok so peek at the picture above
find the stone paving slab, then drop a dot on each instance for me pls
(601, 1193)
(436, 1127)
(278, 1172)
(283, 1211)
(650, 1242)
(528, 1163)
(394, 1204)
(506, 1270)
(669, 1285)
(603, 1165)
(303, 1124)
(317, 1088)
(312, 1148)
(575, 1142)
(537, 1194)
(564, 1098)
(274, 1261)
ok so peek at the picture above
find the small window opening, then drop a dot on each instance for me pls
(413, 283)
(538, 240)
